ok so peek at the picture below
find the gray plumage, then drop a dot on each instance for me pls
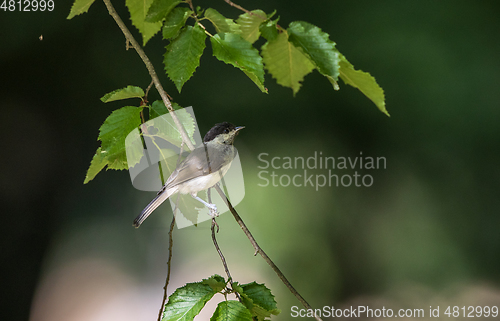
(202, 169)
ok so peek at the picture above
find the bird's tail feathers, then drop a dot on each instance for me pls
(157, 201)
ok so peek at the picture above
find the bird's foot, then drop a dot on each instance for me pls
(213, 210)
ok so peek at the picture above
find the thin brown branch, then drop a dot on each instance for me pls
(223, 259)
(170, 240)
(148, 89)
(262, 253)
(143, 121)
(169, 266)
(237, 6)
(151, 71)
(144, 102)
(190, 3)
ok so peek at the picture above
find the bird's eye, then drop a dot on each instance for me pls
(226, 131)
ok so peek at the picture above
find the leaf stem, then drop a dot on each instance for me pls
(151, 71)
(261, 252)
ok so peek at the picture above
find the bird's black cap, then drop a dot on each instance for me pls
(218, 129)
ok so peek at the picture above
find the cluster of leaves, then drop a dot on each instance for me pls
(257, 302)
(288, 54)
(120, 132)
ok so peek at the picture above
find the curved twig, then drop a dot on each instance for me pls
(261, 252)
(223, 259)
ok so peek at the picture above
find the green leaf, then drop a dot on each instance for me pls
(165, 126)
(221, 23)
(269, 29)
(262, 299)
(79, 7)
(159, 9)
(98, 162)
(285, 62)
(233, 49)
(231, 311)
(258, 300)
(317, 46)
(365, 82)
(113, 132)
(175, 20)
(186, 302)
(183, 55)
(123, 93)
(269, 16)
(158, 108)
(249, 24)
(134, 148)
(237, 288)
(216, 282)
(138, 10)
(188, 207)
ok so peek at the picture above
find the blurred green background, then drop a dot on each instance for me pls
(425, 234)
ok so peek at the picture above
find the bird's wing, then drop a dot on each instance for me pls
(193, 166)
(202, 161)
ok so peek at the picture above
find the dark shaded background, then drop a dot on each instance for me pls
(426, 232)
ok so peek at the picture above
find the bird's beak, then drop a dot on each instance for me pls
(237, 129)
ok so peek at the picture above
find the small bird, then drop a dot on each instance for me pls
(203, 168)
